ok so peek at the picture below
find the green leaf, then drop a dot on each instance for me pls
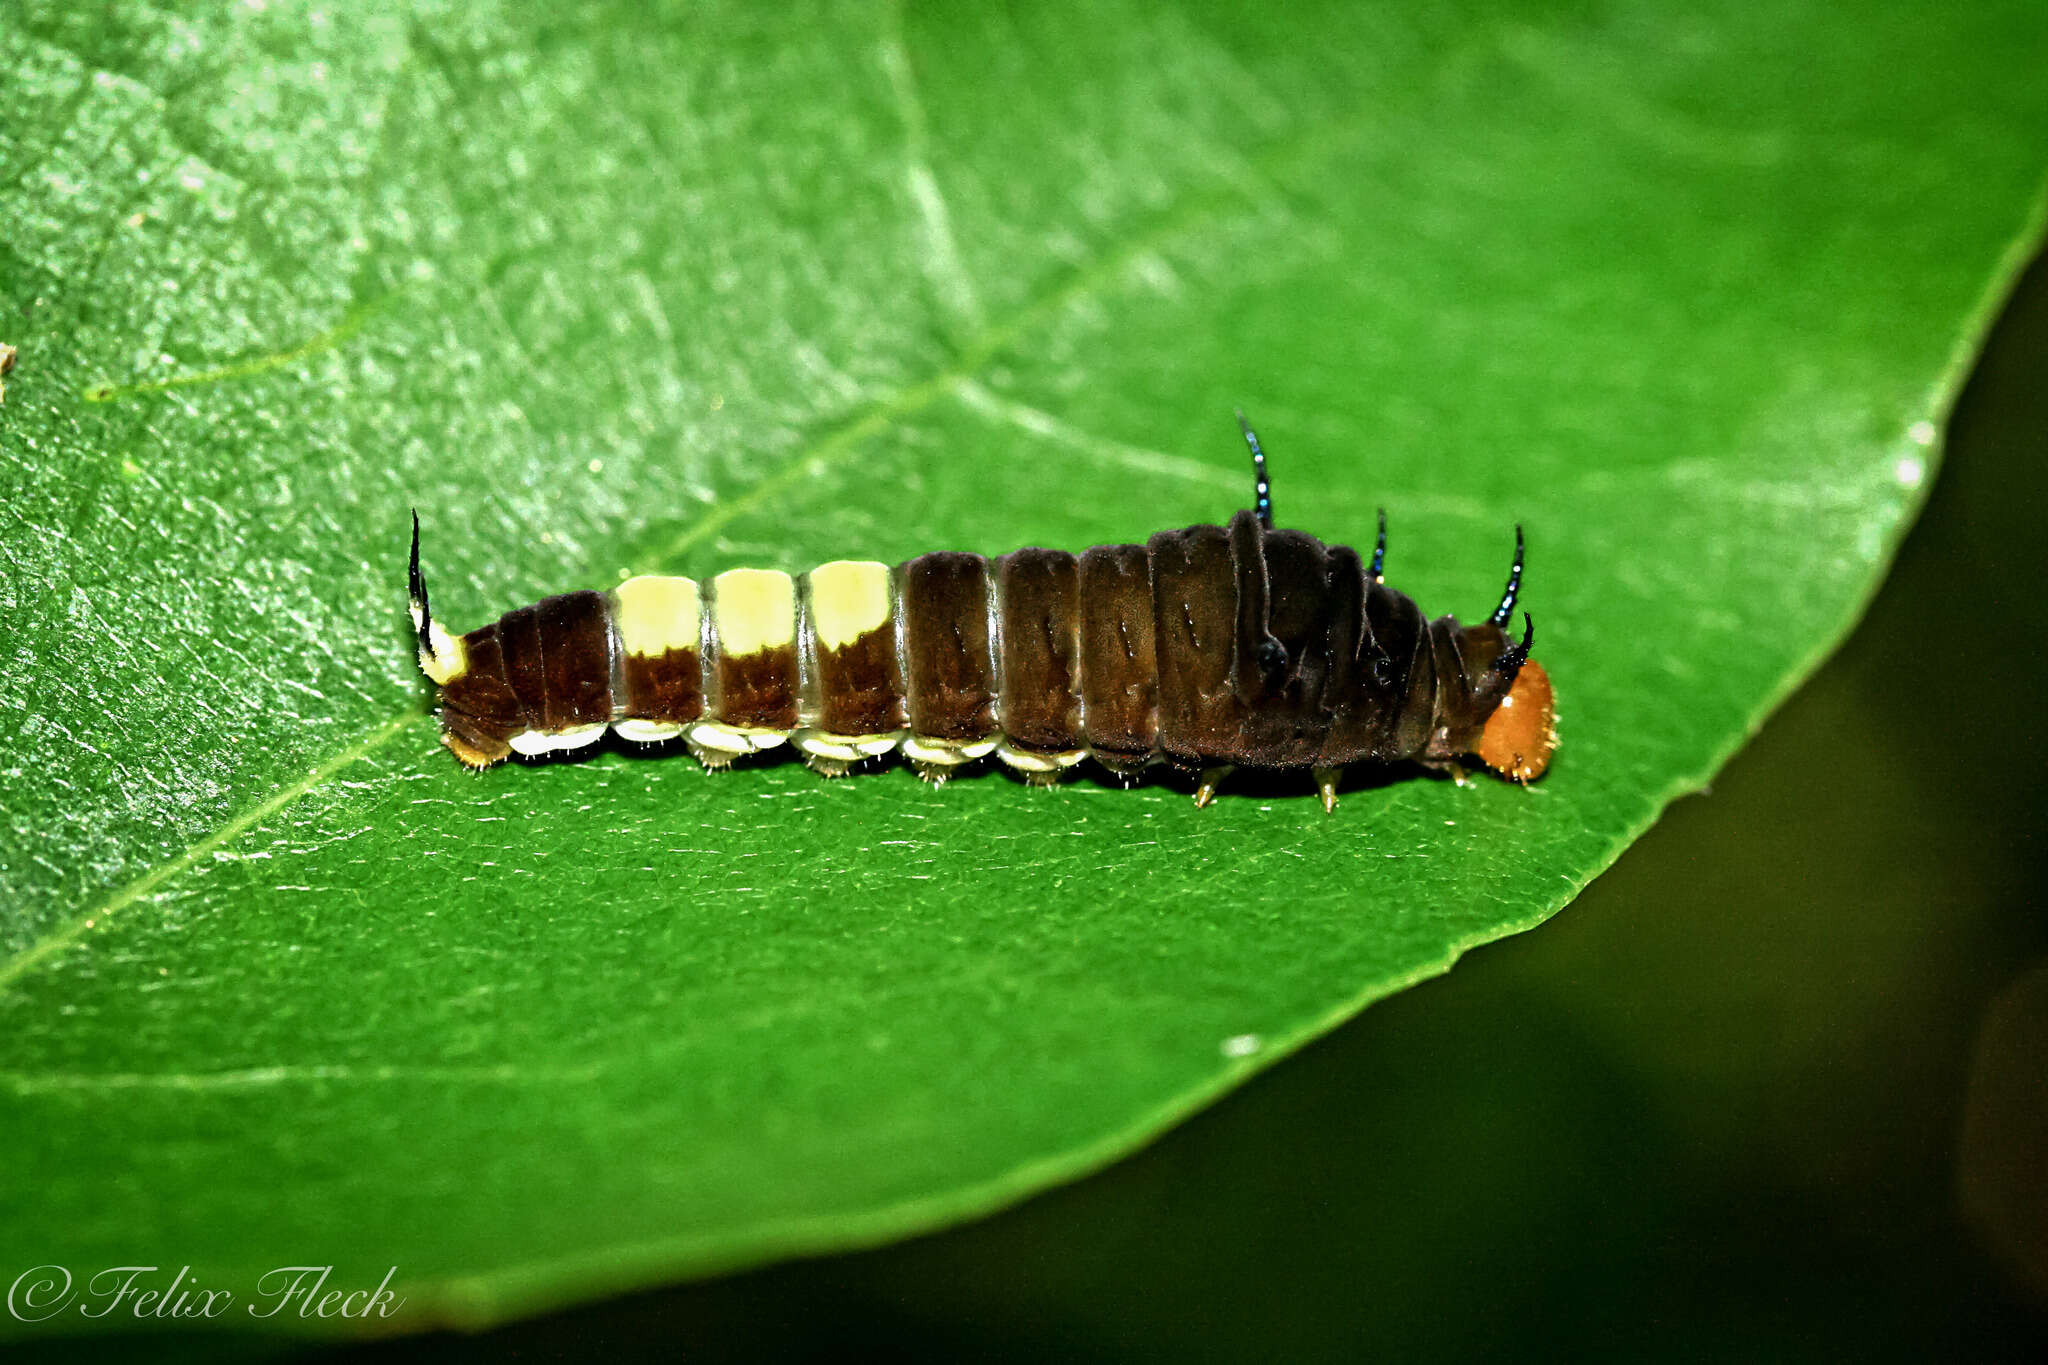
(611, 290)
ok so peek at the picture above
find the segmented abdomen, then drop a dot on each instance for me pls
(1209, 645)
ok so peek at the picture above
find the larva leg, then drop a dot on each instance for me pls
(714, 760)
(1212, 778)
(1326, 787)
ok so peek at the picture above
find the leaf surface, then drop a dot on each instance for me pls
(621, 290)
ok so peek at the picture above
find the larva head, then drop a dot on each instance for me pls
(1521, 734)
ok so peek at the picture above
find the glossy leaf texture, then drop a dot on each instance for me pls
(621, 288)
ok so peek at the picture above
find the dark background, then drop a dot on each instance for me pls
(1775, 1087)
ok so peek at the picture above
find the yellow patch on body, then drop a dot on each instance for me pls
(655, 614)
(848, 599)
(755, 609)
(449, 657)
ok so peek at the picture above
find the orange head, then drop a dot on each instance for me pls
(1520, 736)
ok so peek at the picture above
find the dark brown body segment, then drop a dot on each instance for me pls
(1403, 697)
(543, 667)
(1261, 646)
(1040, 592)
(1290, 703)
(1119, 656)
(1195, 591)
(578, 661)
(757, 691)
(478, 706)
(1354, 662)
(667, 687)
(558, 659)
(1276, 652)
(859, 690)
(951, 683)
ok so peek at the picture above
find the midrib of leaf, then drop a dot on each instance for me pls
(968, 365)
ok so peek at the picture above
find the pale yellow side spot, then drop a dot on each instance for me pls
(846, 748)
(656, 614)
(1029, 761)
(849, 598)
(449, 657)
(536, 742)
(646, 731)
(946, 751)
(814, 743)
(755, 610)
(733, 740)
